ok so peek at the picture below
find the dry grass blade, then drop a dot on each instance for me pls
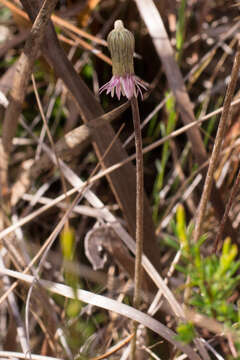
(64, 186)
(15, 311)
(14, 354)
(114, 349)
(156, 29)
(18, 91)
(82, 235)
(120, 231)
(18, 39)
(154, 23)
(228, 207)
(148, 148)
(85, 45)
(74, 32)
(111, 305)
(23, 73)
(89, 109)
(67, 147)
(68, 27)
(217, 146)
(56, 20)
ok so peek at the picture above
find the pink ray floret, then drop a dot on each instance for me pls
(128, 86)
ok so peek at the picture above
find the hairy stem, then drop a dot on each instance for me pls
(139, 214)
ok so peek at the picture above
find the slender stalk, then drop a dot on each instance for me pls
(226, 212)
(217, 146)
(63, 181)
(139, 215)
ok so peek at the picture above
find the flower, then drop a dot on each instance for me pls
(121, 45)
(128, 85)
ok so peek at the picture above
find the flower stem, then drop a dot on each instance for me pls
(139, 214)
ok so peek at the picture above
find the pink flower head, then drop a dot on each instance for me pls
(121, 45)
(128, 85)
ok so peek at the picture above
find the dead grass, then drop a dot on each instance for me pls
(68, 199)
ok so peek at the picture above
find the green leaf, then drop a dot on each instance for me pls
(181, 227)
(67, 239)
(73, 308)
(186, 332)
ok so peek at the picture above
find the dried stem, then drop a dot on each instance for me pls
(153, 20)
(64, 185)
(139, 214)
(20, 83)
(23, 73)
(217, 146)
(226, 212)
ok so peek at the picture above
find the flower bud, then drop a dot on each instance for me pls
(121, 45)
(123, 82)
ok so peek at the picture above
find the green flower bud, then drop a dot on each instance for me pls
(121, 45)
